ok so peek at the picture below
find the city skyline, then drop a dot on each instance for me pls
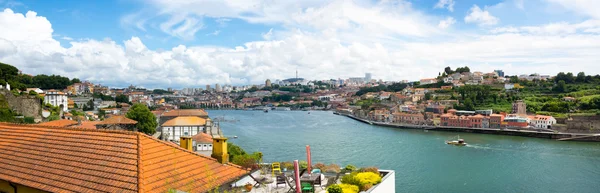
(162, 44)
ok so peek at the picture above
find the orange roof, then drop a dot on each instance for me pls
(185, 112)
(185, 121)
(81, 160)
(59, 123)
(202, 138)
(117, 119)
(88, 124)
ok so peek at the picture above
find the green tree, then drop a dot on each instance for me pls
(122, 99)
(146, 120)
(580, 77)
(448, 70)
(560, 86)
(75, 80)
(427, 96)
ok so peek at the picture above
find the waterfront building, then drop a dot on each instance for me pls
(496, 121)
(485, 122)
(57, 98)
(476, 121)
(519, 107)
(415, 118)
(183, 126)
(466, 113)
(514, 120)
(541, 121)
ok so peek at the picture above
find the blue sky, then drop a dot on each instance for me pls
(161, 43)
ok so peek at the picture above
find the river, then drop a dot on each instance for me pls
(423, 163)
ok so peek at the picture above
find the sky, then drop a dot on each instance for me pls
(191, 43)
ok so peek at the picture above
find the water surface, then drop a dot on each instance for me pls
(423, 163)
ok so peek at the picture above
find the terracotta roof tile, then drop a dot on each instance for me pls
(185, 121)
(88, 124)
(117, 119)
(57, 159)
(59, 123)
(185, 112)
(202, 138)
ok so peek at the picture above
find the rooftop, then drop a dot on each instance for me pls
(59, 123)
(185, 112)
(185, 121)
(118, 119)
(57, 159)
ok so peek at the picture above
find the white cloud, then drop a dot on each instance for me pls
(380, 19)
(339, 45)
(448, 4)
(446, 22)
(268, 35)
(67, 38)
(560, 28)
(582, 7)
(481, 17)
(215, 33)
(520, 4)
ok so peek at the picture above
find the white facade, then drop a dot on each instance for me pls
(56, 98)
(509, 86)
(175, 132)
(544, 122)
(202, 146)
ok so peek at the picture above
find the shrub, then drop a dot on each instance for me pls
(246, 161)
(364, 180)
(287, 165)
(335, 189)
(320, 166)
(370, 169)
(349, 188)
(333, 168)
(350, 168)
(303, 165)
(350, 179)
(29, 120)
(367, 179)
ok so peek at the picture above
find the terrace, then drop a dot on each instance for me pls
(348, 179)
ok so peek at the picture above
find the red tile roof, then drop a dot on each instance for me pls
(117, 119)
(59, 123)
(202, 138)
(185, 121)
(88, 124)
(57, 159)
(186, 112)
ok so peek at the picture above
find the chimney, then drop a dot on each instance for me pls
(219, 151)
(185, 142)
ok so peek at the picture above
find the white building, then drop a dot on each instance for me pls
(428, 81)
(541, 121)
(202, 142)
(183, 126)
(57, 98)
(509, 86)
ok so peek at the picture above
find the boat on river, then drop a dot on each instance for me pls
(457, 142)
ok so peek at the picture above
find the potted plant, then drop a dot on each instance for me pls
(248, 187)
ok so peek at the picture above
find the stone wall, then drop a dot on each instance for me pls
(583, 124)
(29, 106)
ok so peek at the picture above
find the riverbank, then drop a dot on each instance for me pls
(513, 132)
